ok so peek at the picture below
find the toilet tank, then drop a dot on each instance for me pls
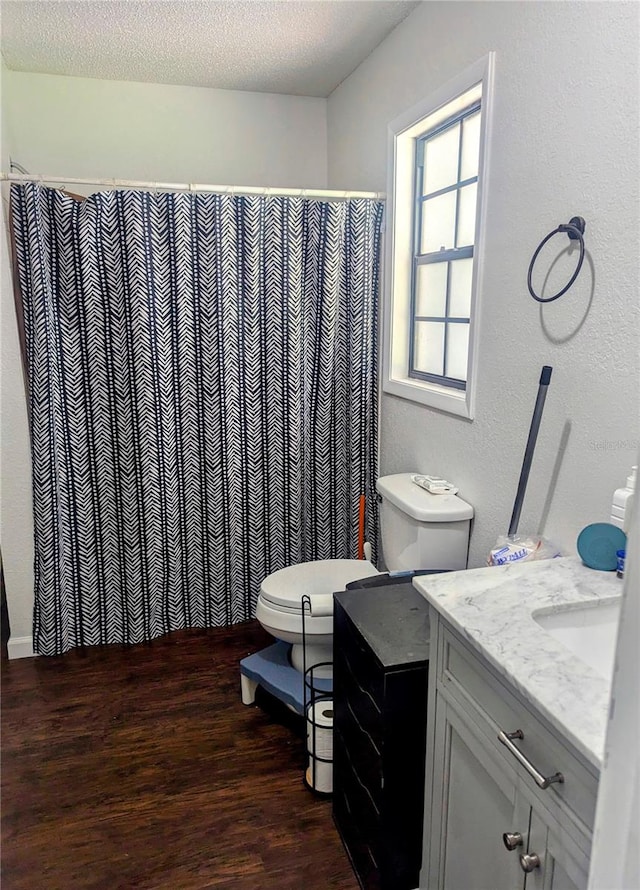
(420, 530)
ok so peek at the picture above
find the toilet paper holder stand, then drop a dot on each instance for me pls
(318, 712)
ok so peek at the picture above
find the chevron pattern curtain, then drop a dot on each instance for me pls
(203, 401)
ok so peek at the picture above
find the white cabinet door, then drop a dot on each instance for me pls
(562, 865)
(562, 880)
(475, 801)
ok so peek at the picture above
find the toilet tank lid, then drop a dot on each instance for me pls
(400, 490)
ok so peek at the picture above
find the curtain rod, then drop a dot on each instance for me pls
(195, 187)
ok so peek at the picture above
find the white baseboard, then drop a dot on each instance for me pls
(20, 647)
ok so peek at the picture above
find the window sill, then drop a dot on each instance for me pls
(439, 397)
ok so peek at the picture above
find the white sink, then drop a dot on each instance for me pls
(590, 632)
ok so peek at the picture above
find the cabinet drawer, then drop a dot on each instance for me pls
(362, 664)
(360, 853)
(350, 682)
(361, 801)
(365, 755)
(465, 679)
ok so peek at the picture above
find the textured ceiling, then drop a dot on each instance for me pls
(278, 46)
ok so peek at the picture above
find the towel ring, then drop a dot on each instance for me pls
(575, 230)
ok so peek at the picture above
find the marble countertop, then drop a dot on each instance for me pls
(492, 609)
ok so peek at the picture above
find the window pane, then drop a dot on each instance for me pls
(428, 354)
(470, 146)
(441, 160)
(431, 289)
(457, 350)
(467, 215)
(438, 222)
(460, 288)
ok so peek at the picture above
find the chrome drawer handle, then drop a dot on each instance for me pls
(529, 861)
(512, 839)
(538, 778)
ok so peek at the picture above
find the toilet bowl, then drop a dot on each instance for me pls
(419, 531)
(279, 607)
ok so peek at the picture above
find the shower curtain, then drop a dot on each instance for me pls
(203, 400)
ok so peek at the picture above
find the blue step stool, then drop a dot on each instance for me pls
(270, 668)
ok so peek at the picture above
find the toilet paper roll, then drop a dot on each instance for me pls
(320, 729)
(322, 604)
(320, 745)
(322, 780)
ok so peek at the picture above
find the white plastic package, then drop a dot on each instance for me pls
(522, 548)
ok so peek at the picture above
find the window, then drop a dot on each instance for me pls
(446, 185)
(439, 154)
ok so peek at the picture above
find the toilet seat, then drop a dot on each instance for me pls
(283, 590)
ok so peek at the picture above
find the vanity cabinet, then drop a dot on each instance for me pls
(488, 824)
(380, 673)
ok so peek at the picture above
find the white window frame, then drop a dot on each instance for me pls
(402, 134)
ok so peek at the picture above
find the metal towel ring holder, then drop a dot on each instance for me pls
(575, 230)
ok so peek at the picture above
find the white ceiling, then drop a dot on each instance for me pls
(277, 46)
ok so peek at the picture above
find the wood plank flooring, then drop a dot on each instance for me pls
(141, 768)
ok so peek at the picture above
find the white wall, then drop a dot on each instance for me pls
(565, 143)
(82, 127)
(16, 523)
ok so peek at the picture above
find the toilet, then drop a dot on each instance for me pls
(419, 531)
(279, 607)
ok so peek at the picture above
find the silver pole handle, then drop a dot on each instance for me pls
(538, 778)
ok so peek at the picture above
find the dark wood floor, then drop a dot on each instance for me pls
(141, 768)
